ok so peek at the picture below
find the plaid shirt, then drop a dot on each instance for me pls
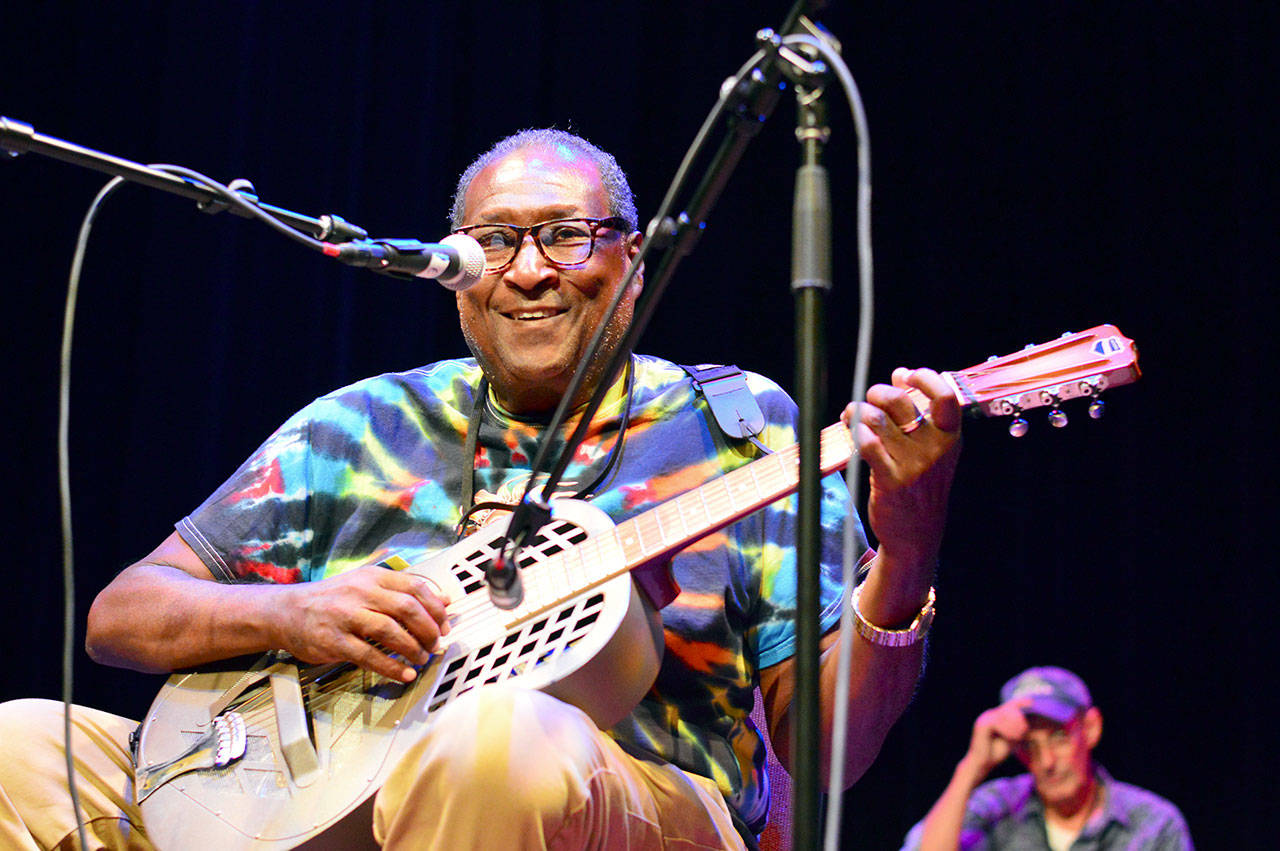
(1007, 814)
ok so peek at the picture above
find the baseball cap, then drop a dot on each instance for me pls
(1056, 693)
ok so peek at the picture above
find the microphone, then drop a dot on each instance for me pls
(456, 262)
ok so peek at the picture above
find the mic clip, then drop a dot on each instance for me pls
(399, 258)
(506, 591)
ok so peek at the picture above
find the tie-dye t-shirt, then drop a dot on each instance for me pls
(377, 468)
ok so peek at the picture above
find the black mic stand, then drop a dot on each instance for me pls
(810, 283)
(811, 279)
(752, 101)
(17, 137)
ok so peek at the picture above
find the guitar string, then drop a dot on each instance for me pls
(473, 614)
(325, 684)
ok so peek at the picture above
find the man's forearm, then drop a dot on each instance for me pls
(882, 679)
(157, 618)
(945, 820)
(881, 685)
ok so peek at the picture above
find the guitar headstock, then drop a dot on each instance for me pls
(1075, 365)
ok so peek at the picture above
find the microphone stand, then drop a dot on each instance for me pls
(811, 279)
(810, 283)
(18, 138)
(754, 100)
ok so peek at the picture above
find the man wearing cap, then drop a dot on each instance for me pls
(1047, 719)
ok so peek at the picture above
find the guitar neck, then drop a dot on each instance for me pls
(676, 523)
(1074, 365)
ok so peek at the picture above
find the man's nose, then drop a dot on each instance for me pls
(529, 268)
(1044, 758)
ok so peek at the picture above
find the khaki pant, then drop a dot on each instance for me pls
(501, 768)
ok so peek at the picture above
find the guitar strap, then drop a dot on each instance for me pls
(736, 410)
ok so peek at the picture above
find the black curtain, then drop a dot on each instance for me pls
(1037, 168)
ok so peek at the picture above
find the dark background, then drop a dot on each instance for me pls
(1037, 168)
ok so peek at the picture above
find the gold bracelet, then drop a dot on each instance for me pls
(918, 629)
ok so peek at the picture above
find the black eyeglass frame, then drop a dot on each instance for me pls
(596, 225)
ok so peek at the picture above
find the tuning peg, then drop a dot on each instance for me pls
(1097, 408)
(1057, 418)
(1018, 426)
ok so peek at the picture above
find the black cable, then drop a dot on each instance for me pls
(235, 199)
(232, 198)
(64, 490)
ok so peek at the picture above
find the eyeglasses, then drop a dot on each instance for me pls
(563, 242)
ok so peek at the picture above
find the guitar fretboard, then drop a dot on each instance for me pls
(680, 521)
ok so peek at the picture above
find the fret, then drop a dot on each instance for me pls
(716, 495)
(742, 491)
(629, 540)
(760, 478)
(580, 560)
(691, 515)
(566, 569)
(669, 514)
(658, 530)
(702, 503)
(773, 473)
(649, 538)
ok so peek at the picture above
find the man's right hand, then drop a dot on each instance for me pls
(168, 612)
(994, 734)
(364, 616)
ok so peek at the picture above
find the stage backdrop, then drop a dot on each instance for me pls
(1037, 168)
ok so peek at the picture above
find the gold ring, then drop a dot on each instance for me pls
(908, 427)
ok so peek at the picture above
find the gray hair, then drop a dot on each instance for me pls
(621, 202)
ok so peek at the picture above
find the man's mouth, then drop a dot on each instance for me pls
(533, 314)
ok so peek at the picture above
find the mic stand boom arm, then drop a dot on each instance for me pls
(18, 138)
(752, 102)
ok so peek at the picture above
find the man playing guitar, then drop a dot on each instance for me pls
(291, 555)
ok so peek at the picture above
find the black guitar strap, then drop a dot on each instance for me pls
(736, 410)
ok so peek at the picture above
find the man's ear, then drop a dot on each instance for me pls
(1092, 724)
(633, 248)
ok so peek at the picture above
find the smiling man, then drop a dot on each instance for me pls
(290, 553)
(531, 318)
(1066, 801)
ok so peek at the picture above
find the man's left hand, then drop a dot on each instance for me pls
(909, 435)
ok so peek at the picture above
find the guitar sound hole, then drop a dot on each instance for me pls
(482, 652)
(458, 663)
(538, 627)
(586, 621)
